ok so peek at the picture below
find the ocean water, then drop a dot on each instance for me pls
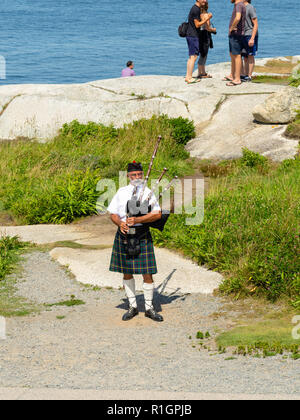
(59, 41)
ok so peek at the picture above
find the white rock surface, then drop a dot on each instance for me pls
(279, 108)
(92, 266)
(45, 234)
(39, 111)
(233, 128)
(175, 273)
(222, 114)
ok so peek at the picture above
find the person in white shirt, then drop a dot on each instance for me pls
(143, 262)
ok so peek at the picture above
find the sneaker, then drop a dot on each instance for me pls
(131, 313)
(151, 313)
(247, 79)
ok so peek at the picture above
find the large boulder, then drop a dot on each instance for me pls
(279, 108)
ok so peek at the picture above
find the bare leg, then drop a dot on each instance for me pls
(201, 65)
(246, 66)
(244, 70)
(231, 75)
(201, 70)
(190, 67)
(251, 64)
(237, 68)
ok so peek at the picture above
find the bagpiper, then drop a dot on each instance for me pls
(132, 209)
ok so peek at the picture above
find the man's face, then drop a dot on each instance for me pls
(136, 175)
(202, 2)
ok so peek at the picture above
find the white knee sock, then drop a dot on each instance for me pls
(148, 294)
(130, 291)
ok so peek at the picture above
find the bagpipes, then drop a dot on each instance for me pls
(136, 207)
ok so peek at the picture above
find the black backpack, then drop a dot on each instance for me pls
(182, 29)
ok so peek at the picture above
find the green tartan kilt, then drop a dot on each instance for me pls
(144, 263)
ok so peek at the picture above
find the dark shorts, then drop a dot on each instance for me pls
(236, 44)
(193, 44)
(144, 263)
(249, 50)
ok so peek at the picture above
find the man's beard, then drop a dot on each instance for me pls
(137, 182)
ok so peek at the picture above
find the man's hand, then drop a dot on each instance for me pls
(131, 221)
(251, 42)
(124, 228)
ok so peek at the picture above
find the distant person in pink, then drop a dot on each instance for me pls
(129, 70)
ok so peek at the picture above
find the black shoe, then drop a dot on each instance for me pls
(131, 313)
(151, 313)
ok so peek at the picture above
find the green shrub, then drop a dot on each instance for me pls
(82, 132)
(62, 201)
(252, 159)
(183, 130)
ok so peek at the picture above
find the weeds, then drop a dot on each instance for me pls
(293, 129)
(69, 303)
(56, 182)
(250, 231)
(263, 349)
(295, 78)
(9, 254)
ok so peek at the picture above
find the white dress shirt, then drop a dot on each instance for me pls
(119, 202)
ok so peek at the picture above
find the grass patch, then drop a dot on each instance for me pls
(10, 255)
(12, 305)
(295, 78)
(276, 66)
(265, 338)
(293, 129)
(273, 80)
(10, 249)
(71, 302)
(215, 170)
(250, 231)
(56, 182)
(6, 219)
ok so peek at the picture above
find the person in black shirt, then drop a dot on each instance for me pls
(192, 38)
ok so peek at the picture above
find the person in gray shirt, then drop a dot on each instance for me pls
(250, 41)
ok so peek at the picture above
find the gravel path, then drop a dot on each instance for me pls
(91, 348)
